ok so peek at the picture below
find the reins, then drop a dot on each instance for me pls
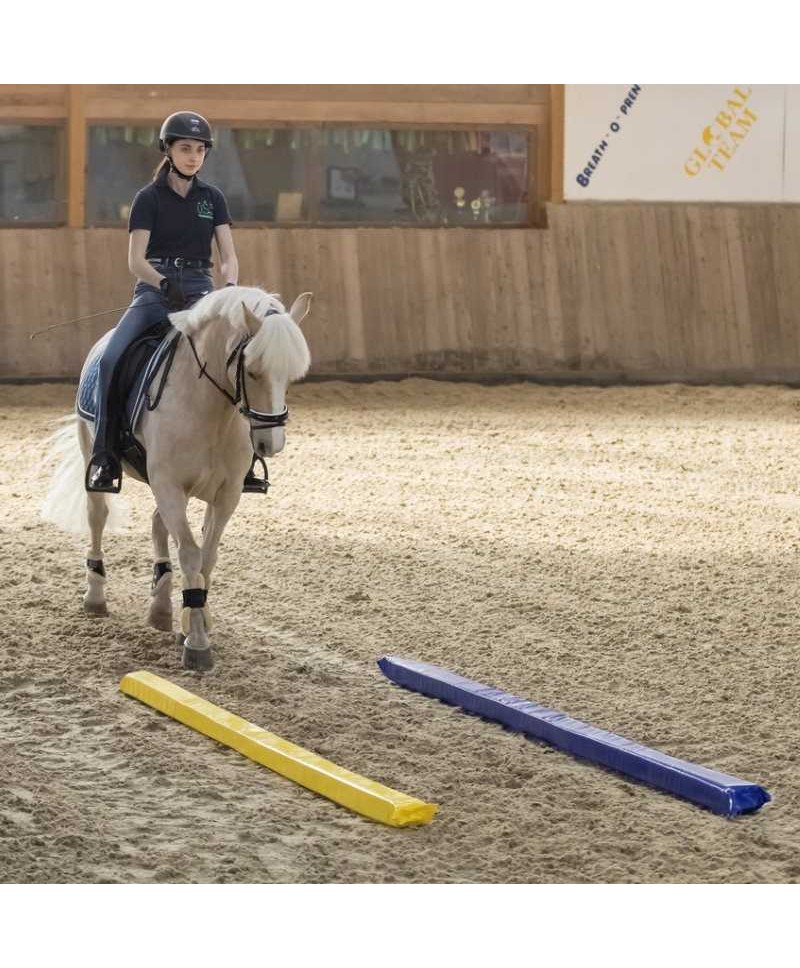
(204, 372)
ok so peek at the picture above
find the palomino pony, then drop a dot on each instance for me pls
(200, 441)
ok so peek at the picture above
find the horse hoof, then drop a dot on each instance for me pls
(200, 660)
(96, 609)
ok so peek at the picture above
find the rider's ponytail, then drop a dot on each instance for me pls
(165, 163)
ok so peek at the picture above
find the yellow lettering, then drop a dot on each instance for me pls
(722, 150)
(747, 113)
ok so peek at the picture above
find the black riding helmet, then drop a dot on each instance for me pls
(185, 124)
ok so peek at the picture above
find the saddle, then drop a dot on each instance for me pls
(150, 355)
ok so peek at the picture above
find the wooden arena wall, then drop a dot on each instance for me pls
(607, 292)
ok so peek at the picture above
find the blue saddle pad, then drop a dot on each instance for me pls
(149, 364)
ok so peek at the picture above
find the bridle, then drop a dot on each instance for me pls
(257, 418)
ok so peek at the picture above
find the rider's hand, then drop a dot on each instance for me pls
(173, 294)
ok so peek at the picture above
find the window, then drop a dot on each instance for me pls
(262, 172)
(121, 160)
(266, 173)
(424, 177)
(323, 175)
(31, 174)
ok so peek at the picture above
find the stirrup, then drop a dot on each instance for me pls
(106, 483)
(253, 484)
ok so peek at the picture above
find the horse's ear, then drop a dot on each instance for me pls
(251, 321)
(301, 307)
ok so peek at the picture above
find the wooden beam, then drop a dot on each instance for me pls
(36, 113)
(190, 95)
(557, 121)
(76, 157)
(28, 102)
(226, 111)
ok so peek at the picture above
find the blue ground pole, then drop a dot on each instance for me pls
(719, 792)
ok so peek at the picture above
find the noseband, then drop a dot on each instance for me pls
(258, 419)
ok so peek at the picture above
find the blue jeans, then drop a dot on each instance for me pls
(148, 309)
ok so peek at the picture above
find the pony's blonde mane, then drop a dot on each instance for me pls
(278, 346)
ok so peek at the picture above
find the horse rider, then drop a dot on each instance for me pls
(172, 223)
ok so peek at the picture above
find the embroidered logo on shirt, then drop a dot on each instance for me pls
(205, 209)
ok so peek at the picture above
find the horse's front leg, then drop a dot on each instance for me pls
(160, 612)
(217, 516)
(196, 647)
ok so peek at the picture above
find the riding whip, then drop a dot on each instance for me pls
(78, 319)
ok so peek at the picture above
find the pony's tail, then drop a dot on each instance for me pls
(66, 502)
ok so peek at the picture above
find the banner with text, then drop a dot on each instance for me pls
(682, 142)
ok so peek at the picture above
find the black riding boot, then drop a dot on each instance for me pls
(104, 472)
(253, 484)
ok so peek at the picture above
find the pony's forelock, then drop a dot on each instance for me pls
(279, 348)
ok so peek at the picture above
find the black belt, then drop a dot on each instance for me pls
(180, 263)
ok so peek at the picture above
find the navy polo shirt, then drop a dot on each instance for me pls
(178, 226)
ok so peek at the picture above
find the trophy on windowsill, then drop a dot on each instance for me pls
(458, 210)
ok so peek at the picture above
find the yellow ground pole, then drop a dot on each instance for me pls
(309, 770)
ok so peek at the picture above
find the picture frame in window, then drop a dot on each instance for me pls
(342, 184)
(289, 207)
